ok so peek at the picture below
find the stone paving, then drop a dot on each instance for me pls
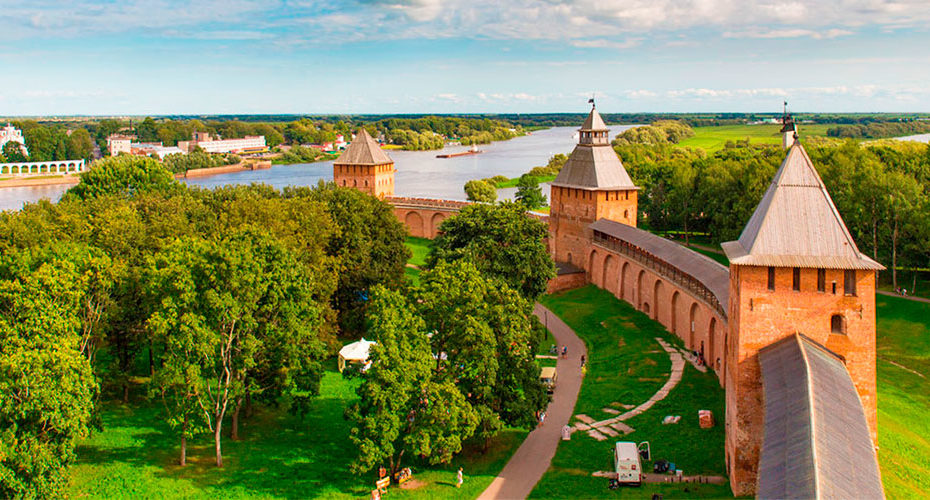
(613, 426)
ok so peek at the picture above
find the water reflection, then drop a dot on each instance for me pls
(419, 173)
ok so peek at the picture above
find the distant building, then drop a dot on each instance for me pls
(154, 148)
(118, 143)
(203, 140)
(12, 134)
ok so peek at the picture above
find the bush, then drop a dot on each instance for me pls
(480, 190)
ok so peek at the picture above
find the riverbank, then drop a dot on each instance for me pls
(39, 181)
(225, 169)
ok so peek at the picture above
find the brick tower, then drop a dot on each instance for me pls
(592, 185)
(794, 269)
(364, 166)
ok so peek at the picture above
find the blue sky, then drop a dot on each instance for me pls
(448, 56)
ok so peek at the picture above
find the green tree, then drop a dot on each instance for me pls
(13, 151)
(484, 337)
(80, 145)
(124, 176)
(47, 385)
(401, 408)
(502, 242)
(481, 191)
(369, 246)
(237, 317)
(529, 193)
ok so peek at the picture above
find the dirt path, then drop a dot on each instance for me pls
(898, 295)
(527, 466)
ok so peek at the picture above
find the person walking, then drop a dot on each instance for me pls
(459, 478)
(564, 351)
(582, 360)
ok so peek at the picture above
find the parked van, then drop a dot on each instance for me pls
(548, 378)
(626, 463)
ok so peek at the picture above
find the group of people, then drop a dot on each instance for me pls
(901, 291)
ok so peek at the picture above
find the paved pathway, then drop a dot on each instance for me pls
(527, 466)
(611, 427)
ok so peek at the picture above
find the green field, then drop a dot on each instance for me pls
(626, 365)
(420, 248)
(279, 456)
(509, 183)
(714, 138)
(903, 345)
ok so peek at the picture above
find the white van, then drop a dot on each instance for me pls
(626, 463)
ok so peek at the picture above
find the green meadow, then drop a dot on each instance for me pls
(715, 137)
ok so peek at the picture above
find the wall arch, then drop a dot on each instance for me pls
(639, 289)
(435, 222)
(625, 282)
(676, 298)
(594, 268)
(657, 290)
(692, 326)
(414, 223)
(712, 345)
(611, 272)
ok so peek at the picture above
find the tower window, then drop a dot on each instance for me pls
(772, 278)
(821, 280)
(838, 324)
(796, 279)
(849, 282)
(626, 214)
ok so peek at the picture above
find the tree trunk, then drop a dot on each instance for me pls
(184, 443)
(126, 392)
(151, 360)
(217, 435)
(235, 422)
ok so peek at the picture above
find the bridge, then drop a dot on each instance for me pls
(43, 167)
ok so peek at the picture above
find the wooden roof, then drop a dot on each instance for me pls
(816, 441)
(364, 150)
(594, 122)
(797, 225)
(594, 166)
(709, 272)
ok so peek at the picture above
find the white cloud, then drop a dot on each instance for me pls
(788, 33)
(607, 44)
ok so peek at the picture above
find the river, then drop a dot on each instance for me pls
(419, 173)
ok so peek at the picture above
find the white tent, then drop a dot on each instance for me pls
(356, 352)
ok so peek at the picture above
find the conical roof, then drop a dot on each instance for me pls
(594, 122)
(364, 150)
(594, 165)
(797, 225)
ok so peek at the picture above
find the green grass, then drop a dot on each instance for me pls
(420, 248)
(509, 183)
(903, 337)
(279, 456)
(413, 274)
(715, 137)
(626, 365)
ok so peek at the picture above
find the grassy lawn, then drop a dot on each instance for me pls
(714, 138)
(626, 365)
(903, 396)
(420, 248)
(279, 456)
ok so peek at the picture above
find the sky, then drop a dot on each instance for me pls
(160, 57)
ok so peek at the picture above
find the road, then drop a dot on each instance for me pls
(527, 466)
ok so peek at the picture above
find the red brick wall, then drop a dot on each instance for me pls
(422, 222)
(760, 317)
(376, 180)
(661, 299)
(564, 282)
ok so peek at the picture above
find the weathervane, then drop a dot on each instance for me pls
(591, 102)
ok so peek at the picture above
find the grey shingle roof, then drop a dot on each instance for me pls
(712, 274)
(594, 166)
(796, 224)
(594, 122)
(364, 150)
(816, 442)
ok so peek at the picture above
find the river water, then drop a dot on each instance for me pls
(419, 173)
(918, 138)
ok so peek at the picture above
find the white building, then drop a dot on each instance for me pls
(12, 134)
(117, 144)
(249, 143)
